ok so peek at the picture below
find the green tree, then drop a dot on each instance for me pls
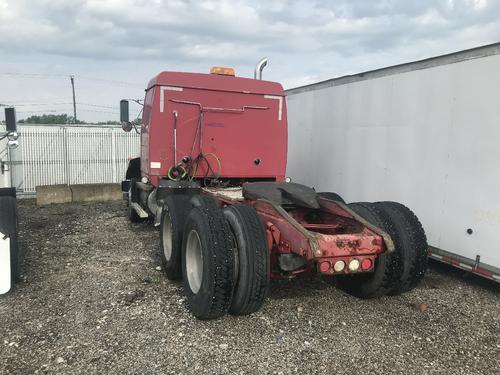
(110, 122)
(51, 119)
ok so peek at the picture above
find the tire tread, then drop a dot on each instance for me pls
(413, 243)
(370, 285)
(219, 236)
(177, 207)
(258, 255)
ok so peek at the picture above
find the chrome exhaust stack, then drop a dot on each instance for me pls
(259, 68)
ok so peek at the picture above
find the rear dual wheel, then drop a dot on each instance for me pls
(411, 243)
(175, 211)
(331, 196)
(251, 259)
(207, 263)
(387, 269)
(225, 261)
(395, 272)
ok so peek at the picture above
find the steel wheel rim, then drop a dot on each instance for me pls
(194, 261)
(167, 236)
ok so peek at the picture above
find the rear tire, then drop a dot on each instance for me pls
(173, 217)
(207, 263)
(332, 196)
(411, 242)
(388, 269)
(204, 200)
(252, 254)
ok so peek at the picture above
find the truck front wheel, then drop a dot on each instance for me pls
(207, 263)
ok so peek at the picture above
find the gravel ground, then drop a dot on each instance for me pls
(94, 300)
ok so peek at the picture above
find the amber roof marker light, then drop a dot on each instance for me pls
(222, 71)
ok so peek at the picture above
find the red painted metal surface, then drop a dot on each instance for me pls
(323, 240)
(319, 236)
(236, 128)
(242, 123)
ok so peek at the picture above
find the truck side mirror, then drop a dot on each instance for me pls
(11, 127)
(124, 111)
(10, 120)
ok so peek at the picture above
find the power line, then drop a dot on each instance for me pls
(35, 104)
(99, 111)
(103, 80)
(66, 76)
(96, 105)
(45, 111)
(20, 104)
(59, 111)
(35, 75)
(34, 100)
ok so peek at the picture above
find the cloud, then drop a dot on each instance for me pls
(131, 40)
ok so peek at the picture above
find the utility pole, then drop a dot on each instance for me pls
(74, 101)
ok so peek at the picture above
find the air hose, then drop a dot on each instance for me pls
(177, 173)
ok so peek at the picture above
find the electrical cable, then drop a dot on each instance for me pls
(209, 173)
(60, 76)
(136, 121)
(194, 162)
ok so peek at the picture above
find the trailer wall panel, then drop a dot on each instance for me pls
(429, 138)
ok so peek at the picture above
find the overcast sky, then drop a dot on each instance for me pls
(113, 47)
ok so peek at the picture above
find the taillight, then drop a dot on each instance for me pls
(339, 266)
(324, 267)
(354, 265)
(366, 264)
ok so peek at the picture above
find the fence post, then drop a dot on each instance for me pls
(65, 151)
(113, 153)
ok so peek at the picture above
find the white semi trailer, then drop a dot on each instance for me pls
(9, 254)
(425, 133)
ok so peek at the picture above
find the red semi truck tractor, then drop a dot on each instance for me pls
(211, 175)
